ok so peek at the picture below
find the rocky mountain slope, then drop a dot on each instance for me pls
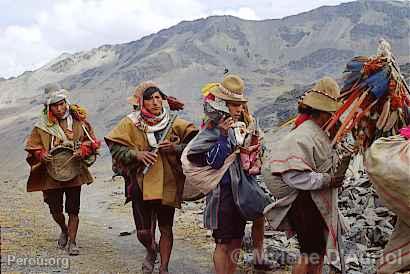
(273, 56)
(274, 112)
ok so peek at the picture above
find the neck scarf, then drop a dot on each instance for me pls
(54, 128)
(149, 123)
(151, 119)
(301, 118)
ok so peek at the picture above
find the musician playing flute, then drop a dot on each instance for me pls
(146, 146)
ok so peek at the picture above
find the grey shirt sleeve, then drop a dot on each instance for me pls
(306, 180)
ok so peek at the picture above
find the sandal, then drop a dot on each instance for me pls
(72, 249)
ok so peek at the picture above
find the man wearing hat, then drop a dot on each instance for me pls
(303, 174)
(61, 125)
(229, 143)
(151, 138)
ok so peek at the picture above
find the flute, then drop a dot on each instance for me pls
(163, 137)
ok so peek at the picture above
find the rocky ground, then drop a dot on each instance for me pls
(106, 237)
(108, 242)
(28, 233)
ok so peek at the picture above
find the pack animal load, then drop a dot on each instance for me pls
(376, 99)
(376, 111)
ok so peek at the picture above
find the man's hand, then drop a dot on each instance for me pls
(343, 166)
(46, 158)
(77, 154)
(336, 181)
(225, 124)
(167, 146)
(42, 156)
(147, 157)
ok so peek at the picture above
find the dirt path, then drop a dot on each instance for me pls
(28, 234)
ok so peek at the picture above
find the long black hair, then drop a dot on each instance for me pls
(151, 90)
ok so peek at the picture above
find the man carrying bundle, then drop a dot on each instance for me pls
(227, 149)
(304, 177)
(60, 148)
(146, 146)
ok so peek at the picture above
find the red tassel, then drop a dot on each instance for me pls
(85, 150)
(40, 154)
(96, 145)
(174, 103)
(336, 116)
(396, 102)
(372, 66)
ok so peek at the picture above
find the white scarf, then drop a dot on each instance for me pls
(150, 130)
(240, 132)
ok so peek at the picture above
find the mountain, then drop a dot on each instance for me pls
(273, 56)
(274, 112)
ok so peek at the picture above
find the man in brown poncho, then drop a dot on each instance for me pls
(156, 194)
(61, 124)
(303, 175)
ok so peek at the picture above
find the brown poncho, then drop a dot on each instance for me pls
(165, 180)
(40, 139)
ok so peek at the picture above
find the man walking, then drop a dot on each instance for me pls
(146, 146)
(62, 131)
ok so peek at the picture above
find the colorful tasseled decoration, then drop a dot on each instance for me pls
(376, 99)
(174, 103)
(79, 113)
(87, 148)
(405, 132)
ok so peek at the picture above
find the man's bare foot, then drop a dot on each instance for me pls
(149, 261)
(62, 240)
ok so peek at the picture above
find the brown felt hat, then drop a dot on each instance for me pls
(231, 89)
(324, 96)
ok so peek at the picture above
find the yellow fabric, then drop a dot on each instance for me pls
(164, 180)
(208, 87)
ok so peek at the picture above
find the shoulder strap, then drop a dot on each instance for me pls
(87, 133)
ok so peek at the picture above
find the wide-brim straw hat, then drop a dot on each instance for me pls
(324, 96)
(231, 89)
(136, 97)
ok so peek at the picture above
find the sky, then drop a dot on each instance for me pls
(33, 32)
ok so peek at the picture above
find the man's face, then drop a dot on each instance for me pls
(59, 109)
(235, 110)
(154, 105)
